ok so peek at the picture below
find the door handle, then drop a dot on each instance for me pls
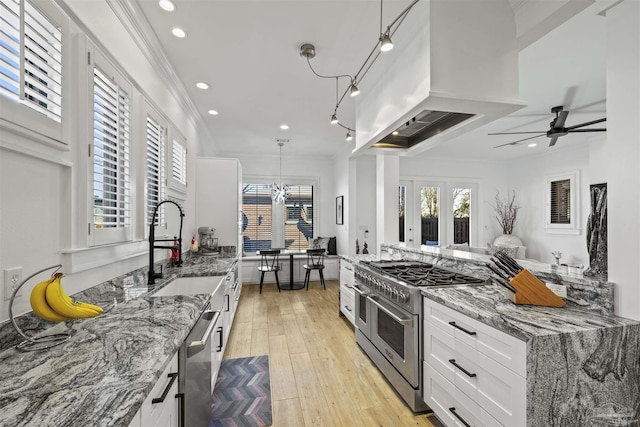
(220, 331)
(173, 376)
(403, 321)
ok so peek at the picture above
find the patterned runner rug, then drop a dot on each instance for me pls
(242, 395)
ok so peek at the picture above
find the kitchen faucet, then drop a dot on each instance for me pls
(152, 239)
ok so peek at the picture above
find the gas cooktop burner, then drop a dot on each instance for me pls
(419, 273)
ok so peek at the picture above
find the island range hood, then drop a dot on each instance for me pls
(454, 68)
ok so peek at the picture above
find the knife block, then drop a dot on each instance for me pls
(532, 291)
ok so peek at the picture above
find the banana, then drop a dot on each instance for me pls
(39, 303)
(62, 304)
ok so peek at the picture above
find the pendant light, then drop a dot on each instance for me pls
(279, 193)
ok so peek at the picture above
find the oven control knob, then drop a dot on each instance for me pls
(395, 294)
(402, 297)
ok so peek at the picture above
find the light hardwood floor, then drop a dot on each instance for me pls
(319, 376)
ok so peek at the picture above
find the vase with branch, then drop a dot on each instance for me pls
(506, 214)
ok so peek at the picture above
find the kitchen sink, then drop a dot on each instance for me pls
(189, 286)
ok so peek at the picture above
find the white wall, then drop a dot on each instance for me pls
(527, 177)
(299, 167)
(341, 164)
(366, 203)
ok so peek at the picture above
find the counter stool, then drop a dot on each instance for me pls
(269, 262)
(315, 261)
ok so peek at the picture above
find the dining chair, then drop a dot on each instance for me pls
(269, 262)
(315, 261)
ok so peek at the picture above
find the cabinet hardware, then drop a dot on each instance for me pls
(453, 411)
(219, 348)
(173, 376)
(228, 308)
(466, 331)
(453, 362)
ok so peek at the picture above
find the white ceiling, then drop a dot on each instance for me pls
(248, 52)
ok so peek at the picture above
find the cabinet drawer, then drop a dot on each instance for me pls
(492, 386)
(346, 272)
(504, 349)
(450, 405)
(347, 303)
(164, 413)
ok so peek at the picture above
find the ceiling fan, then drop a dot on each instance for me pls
(556, 130)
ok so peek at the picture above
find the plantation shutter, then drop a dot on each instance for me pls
(560, 207)
(298, 221)
(156, 136)
(179, 163)
(111, 180)
(30, 58)
(256, 217)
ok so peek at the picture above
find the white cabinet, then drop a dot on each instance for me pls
(218, 199)
(347, 294)
(473, 368)
(161, 408)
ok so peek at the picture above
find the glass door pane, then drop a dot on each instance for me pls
(461, 214)
(429, 212)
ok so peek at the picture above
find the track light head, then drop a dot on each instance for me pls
(308, 51)
(334, 119)
(354, 91)
(349, 136)
(385, 42)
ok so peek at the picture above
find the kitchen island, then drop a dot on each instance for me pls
(104, 373)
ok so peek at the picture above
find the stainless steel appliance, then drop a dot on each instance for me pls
(195, 359)
(208, 245)
(389, 318)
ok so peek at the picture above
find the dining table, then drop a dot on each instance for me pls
(293, 285)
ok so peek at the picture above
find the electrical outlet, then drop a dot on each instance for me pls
(559, 290)
(12, 278)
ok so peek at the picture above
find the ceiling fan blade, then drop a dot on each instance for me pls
(559, 121)
(518, 141)
(553, 141)
(593, 122)
(587, 130)
(515, 133)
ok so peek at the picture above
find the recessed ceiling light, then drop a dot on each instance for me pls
(284, 127)
(202, 85)
(533, 144)
(167, 5)
(395, 132)
(179, 32)
(213, 112)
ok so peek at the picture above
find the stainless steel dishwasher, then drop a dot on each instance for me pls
(195, 360)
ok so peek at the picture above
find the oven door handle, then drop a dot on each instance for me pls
(360, 291)
(403, 321)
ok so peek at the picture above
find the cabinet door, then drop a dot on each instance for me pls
(164, 413)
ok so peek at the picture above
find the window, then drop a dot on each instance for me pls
(402, 207)
(154, 189)
(265, 224)
(562, 201)
(110, 157)
(461, 213)
(31, 65)
(429, 213)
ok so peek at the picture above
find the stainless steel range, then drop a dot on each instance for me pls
(389, 318)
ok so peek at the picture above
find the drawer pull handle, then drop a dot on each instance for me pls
(453, 411)
(173, 376)
(453, 362)
(466, 331)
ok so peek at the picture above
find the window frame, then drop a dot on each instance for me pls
(104, 236)
(18, 116)
(161, 122)
(574, 203)
(278, 215)
(175, 138)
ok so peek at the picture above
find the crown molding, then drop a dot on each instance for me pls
(133, 19)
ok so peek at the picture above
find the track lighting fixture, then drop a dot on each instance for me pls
(354, 91)
(308, 51)
(385, 42)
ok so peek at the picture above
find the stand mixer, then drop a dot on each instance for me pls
(208, 244)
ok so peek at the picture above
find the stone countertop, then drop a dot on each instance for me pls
(105, 371)
(490, 305)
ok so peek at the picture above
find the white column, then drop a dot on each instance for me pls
(387, 182)
(623, 160)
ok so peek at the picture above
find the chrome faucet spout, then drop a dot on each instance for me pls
(152, 276)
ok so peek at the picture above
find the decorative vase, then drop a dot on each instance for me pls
(508, 239)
